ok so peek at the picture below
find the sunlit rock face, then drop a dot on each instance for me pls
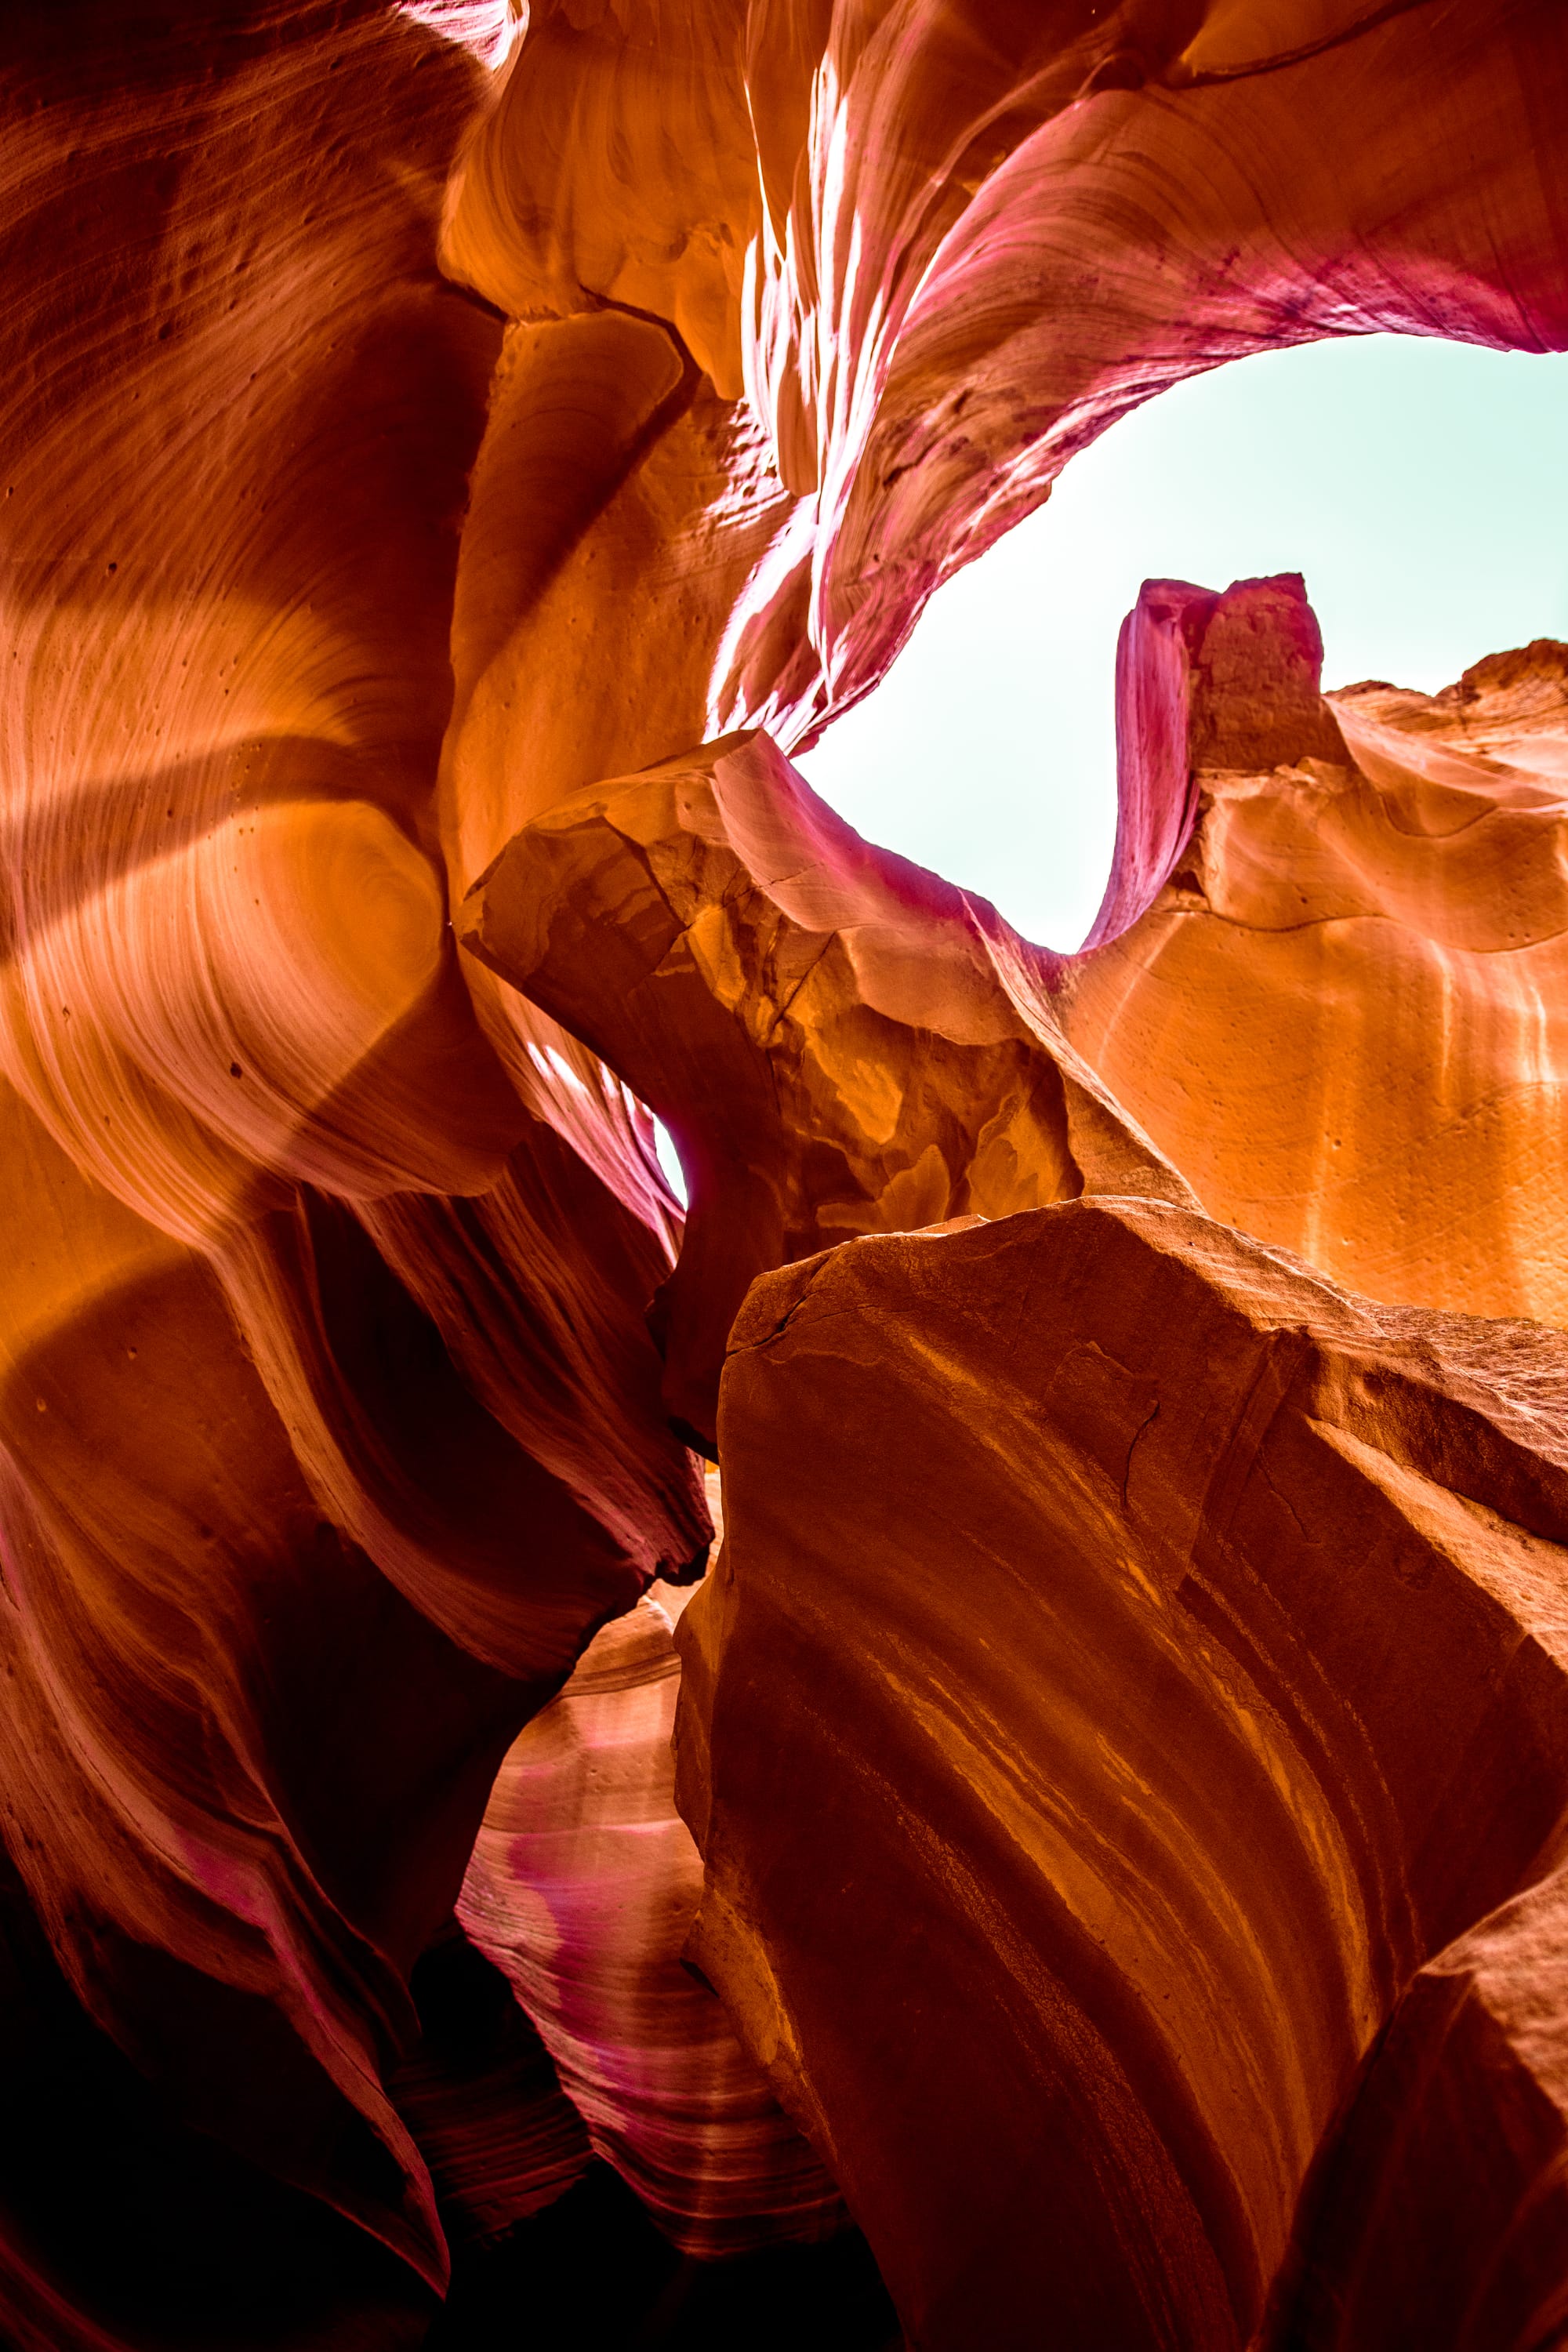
(583, 1888)
(1341, 1014)
(839, 1042)
(1171, 1651)
(450, 456)
(942, 249)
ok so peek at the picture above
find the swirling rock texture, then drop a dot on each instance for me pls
(583, 1888)
(452, 456)
(1232, 1728)
(1340, 1015)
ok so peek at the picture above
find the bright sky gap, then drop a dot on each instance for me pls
(1422, 488)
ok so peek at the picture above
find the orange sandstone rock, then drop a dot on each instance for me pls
(1166, 1662)
(1339, 1015)
(330, 1424)
(392, 452)
(943, 249)
(839, 1041)
(583, 1886)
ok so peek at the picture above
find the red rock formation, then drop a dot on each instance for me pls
(393, 454)
(1171, 1654)
(1439, 2211)
(839, 1042)
(482, 2098)
(944, 248)
(583, 1888)
(1203, 682)
(1338, 1017)
(331, 1421)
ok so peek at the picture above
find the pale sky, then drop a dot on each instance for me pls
(1421, 487)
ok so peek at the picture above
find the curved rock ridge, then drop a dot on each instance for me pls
(1170, 1652)
(1340, 1015)
(938, 208)
(582, 1888)
(839, 1041)
(943, 247)
(241, 1771)
(391, 452)
(330, 1422)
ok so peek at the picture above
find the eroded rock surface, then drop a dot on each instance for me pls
(413, 417)
(840, 1042)
(942, 249)
(1341, 1015)
(330, 1422)
(583, 1888)
(1167, 1659)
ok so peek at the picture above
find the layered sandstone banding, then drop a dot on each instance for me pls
(482, 2098)
(442, 449)
(331, 1423)
(1168, 1657)
(1340, 1015)
(583, 1888)
(839, 1041)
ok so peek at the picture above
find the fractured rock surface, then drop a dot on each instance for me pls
(840, 1042)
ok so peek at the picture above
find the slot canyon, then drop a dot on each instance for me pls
(958, 1740)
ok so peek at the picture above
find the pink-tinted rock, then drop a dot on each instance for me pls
(1338, 1017)
(839, 1041)
(392, 453)
(1204, 681)
(280, 1584)
(583, 1888)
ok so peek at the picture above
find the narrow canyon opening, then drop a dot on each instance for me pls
(1421, 487)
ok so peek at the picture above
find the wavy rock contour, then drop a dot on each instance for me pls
(420, 429)
(1171, 1652)
(1337, 1011)
(581, 1889)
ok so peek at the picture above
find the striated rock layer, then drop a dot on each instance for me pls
(583, 1886)
(433, 449)
(1339, 1008)
(330, 1422)
(1166, 1661)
